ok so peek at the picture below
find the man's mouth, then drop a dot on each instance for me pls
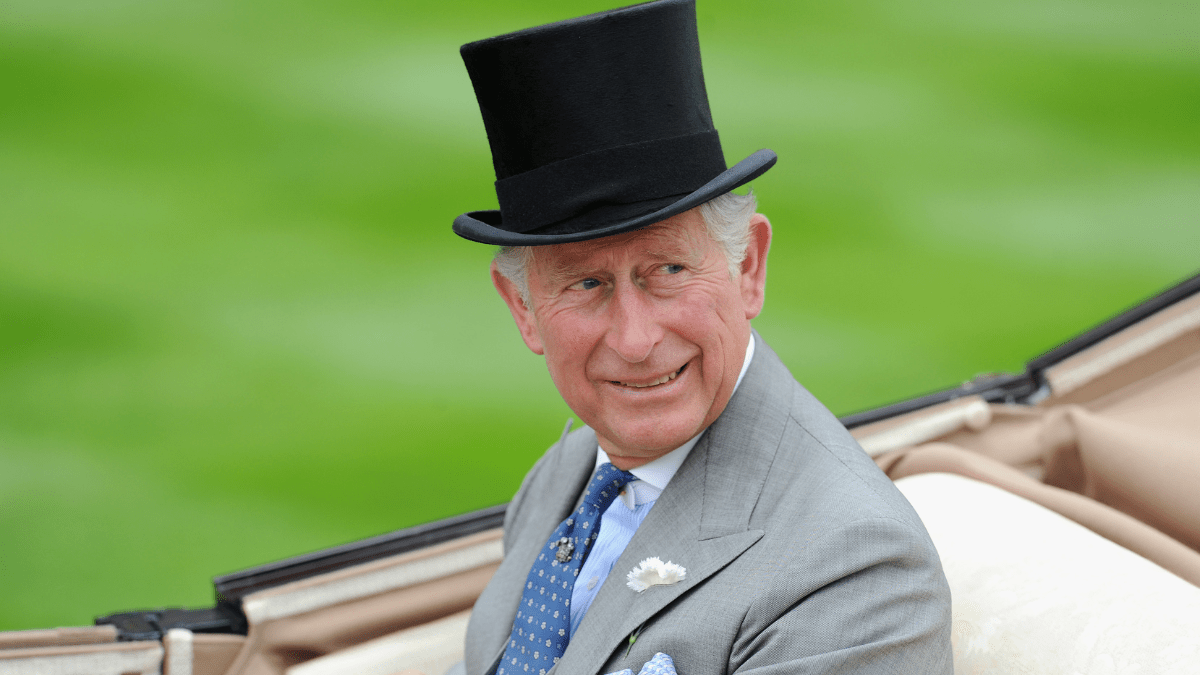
(662, 380)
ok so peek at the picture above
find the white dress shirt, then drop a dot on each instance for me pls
(627, 512)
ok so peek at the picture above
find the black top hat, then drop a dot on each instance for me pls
(598, 125)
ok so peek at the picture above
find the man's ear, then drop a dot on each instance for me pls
(754, 265)
(520, 313)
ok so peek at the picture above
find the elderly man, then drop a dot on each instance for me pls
(712, 517)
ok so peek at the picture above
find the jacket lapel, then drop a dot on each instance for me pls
(720, 482)
(568, 473)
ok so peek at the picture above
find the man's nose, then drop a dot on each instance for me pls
(634, 328)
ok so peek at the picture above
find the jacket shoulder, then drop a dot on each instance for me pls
(820, 459)
(555, 471)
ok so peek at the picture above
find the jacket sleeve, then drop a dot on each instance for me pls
(878, 609)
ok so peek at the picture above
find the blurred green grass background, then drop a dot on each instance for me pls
(235, 325)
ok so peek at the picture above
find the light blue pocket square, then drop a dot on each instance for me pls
(661, 664)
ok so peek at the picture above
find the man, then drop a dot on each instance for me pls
(740, 527)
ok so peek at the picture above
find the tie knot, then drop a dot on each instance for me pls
(605, 485)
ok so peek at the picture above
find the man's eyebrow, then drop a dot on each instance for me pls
(674, 252)
(560, 271)
(678, 249)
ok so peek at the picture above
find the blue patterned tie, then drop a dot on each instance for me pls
(543, 625)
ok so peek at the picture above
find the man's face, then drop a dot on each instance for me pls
(644, 333)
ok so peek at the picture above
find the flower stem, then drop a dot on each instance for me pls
(633, 638)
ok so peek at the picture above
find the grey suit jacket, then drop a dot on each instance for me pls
(801, 556)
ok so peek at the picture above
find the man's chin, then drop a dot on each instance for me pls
(638, 447)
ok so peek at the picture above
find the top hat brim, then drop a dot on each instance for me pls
(486, 227)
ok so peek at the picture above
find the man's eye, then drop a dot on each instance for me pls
(672, 269)
(586, 284)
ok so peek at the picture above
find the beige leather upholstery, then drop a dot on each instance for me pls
(1037, 594)
(1115, 447)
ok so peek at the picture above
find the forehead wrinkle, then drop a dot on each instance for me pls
(670, 243)
(674, 239)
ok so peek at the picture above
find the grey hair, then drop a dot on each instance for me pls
(513, 264)
(727, 219)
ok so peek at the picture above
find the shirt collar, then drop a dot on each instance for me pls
(745, 363)
(660, 471)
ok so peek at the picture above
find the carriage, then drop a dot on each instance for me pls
(1062, 500)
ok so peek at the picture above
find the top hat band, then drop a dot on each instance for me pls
(625, 174)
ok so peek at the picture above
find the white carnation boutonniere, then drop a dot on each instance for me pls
(654, 572)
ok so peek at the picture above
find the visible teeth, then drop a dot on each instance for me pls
(662, 380)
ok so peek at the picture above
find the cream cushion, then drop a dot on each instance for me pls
(1036, 593)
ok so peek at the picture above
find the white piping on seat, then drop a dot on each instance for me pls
(178, 642)
(975, 415)
(1111, 354)
(122, 658)
(278, 603)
